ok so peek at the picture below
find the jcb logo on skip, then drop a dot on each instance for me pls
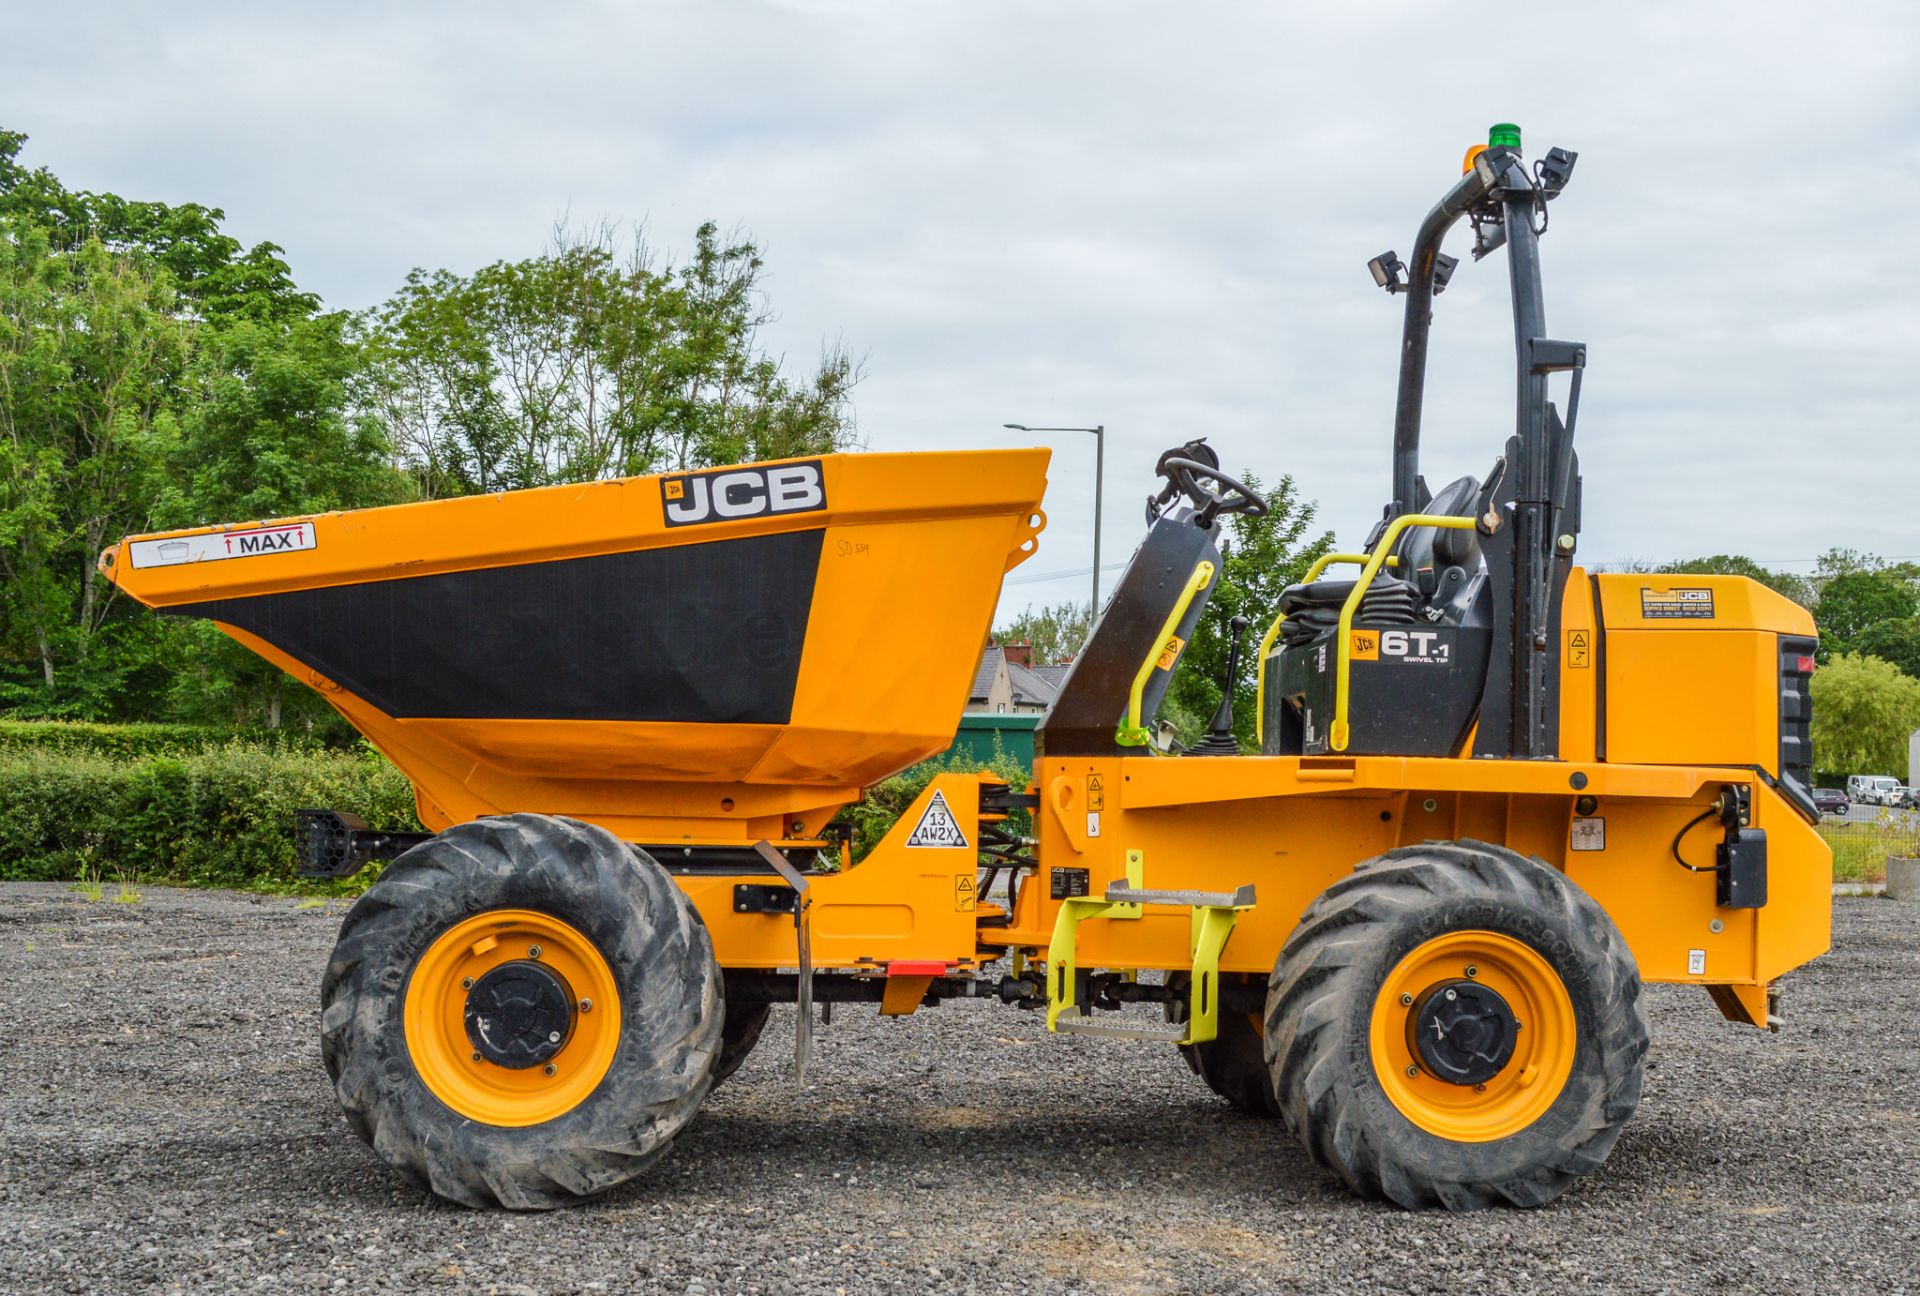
(729, 494)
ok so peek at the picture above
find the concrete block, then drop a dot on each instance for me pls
(1903, 877)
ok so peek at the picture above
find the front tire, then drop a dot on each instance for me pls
(1535, 1055)
(521, 1012)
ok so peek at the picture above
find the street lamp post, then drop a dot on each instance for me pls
(1099, 475)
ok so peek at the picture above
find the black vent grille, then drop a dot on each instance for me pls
(1796, 710)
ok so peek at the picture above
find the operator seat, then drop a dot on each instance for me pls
(1414, 693)
(1432, 581)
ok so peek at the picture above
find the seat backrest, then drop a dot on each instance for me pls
(1422, 548)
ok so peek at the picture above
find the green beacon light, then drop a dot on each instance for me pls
(1503, 135)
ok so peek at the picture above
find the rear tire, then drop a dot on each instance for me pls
(624, 1074)
(1339, 1041)
(1233, 1063)
(738, 1034)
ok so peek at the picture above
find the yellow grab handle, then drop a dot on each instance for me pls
(1337, 737)
(1320, 564)
(1131, 733)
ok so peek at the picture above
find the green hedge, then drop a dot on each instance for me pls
(216, 817)
(129, 741)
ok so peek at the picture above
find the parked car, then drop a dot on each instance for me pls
(1873, 789)
(1830, 801)
(1905, 798)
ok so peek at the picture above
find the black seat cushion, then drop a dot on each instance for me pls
(1310, 609)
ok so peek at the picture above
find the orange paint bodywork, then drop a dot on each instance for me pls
(914, 549)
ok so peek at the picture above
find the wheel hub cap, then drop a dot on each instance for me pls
(519, 1015)
(1462, 1032)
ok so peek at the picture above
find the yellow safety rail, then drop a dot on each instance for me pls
(1132, 733)
(1320, 564)
(1337, 738)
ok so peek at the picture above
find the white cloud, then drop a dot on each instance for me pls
(1150, 216)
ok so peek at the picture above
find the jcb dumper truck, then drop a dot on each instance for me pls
(1494, 794)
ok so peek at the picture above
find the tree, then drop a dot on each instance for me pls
(1057, 633)
(1798, 588)
(577, 364)
(153, 373)
(1864, 710)
(1853, 601)
(1262, 557)
(1893, 641)
(90, 355)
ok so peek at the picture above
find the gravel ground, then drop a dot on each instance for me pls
(167, 1126)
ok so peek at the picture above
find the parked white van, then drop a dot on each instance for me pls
(1873, 789)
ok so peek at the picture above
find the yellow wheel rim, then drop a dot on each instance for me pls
(435, 1018)
(1522, 1091)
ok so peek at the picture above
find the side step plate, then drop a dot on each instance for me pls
(1175, 1034)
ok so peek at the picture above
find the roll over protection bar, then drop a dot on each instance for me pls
(1474, 188)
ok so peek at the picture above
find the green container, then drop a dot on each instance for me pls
(975, 740)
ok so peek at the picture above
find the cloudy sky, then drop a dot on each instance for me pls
(1151, 216)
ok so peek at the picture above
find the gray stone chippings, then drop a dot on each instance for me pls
(166, 1125)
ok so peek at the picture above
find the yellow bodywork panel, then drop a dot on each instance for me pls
(1292, 826)
(905, 902)
(1666, 698)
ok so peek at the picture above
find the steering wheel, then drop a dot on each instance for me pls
(1224, 495)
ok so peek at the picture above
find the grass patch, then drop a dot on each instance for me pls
(1860, 850)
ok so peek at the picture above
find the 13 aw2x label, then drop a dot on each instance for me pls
(213, 547)
(937, 826)
(730, 494)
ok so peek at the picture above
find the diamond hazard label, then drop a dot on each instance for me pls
(937, 827)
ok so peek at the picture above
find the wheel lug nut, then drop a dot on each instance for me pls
(553, 1037)
(1479, 1088)
(586, 1005)
(476, 1055)
(466, 983)
(1413, 1071)
(550, 1068)
(1472, 971)
(1405, 999)
(533, 951)
(1451, 994)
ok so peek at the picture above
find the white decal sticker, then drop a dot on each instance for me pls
(728, 494)
(216, 545)
(937, 827)
(1589, 834)
(1093, 823)
(1696, 962)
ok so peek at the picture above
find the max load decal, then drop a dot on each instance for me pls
(213, 546)
(937, 826)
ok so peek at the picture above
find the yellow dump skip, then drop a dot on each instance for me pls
(718, 656)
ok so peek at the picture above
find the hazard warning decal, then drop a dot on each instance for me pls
(937, 827)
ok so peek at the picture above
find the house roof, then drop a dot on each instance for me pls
(983, 677)
(1054, 675)
(1029, 685)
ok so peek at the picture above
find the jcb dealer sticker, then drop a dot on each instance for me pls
(1364, 645)
(1668, 604)
(219, 545)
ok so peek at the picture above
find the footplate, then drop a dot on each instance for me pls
(1214, 915)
